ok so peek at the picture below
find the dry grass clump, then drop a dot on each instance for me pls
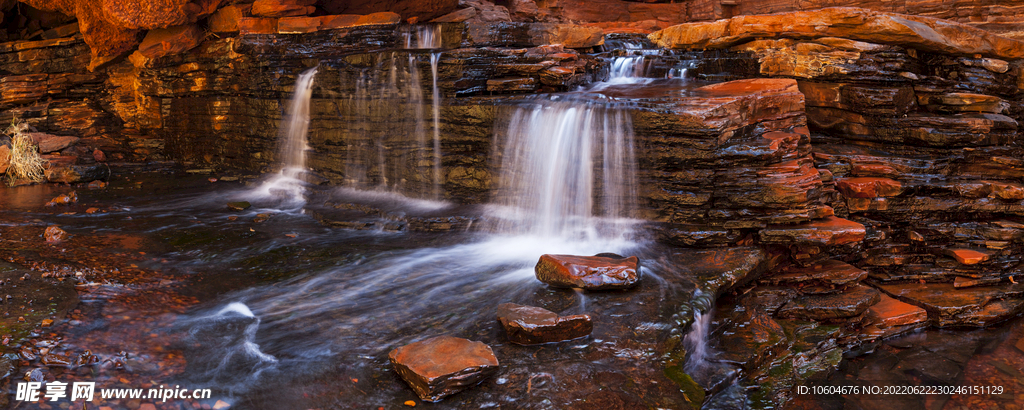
(25, 160)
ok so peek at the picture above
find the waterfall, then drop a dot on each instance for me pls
(426, 36)
(287, 186)
(389, 145)
(696, 340)
(627, 67)
(434, 59)
(554, 148)
(294, 145)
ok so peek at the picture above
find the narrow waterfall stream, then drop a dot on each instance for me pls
(286, 188)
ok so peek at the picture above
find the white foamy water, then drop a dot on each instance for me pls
(287, 187)
(425, 36)
(567, 170)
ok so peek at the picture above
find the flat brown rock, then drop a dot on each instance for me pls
(968, 256)
(975, 306)
(851, 302)
(827, 271)
(443, 365)
(826, 231)
(588, 272)
(50, 143)
(869, 187)
(889, 312)
(529, 325)
(922, 33)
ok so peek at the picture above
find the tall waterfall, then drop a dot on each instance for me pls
(567, 168)
(287, 186)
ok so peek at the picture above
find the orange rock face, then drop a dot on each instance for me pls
(173, 40)
(226, 19)
(283, 8)
(923, 33)
(423, 10)
(298, 25)
(256, 25)
(112, 28)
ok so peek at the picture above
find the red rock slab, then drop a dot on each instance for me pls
(889, 312)
(869, 187)
(339, 21)
(828, 271)
(355, 20)
(283, 8)
(529, 325)
(298, 25)
(50, 143)
(967, 256)
(975, 306)
(826, 231)
(588, 272)
(256, 25)
(171, 40)
(444, 365)
(921, 33)
(962, 282)
(852, 301)
(226, 19)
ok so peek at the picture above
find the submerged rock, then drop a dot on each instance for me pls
(65, 199)
(528, 325)
(239, 206)
(599, 272)
(54, 234)
(444, 365)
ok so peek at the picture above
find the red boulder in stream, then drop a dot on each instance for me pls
(599, 272)
(529, 325)
(444, 365)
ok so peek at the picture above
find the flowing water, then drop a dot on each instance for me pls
(287, 186)
(285, 313)
(388, 106)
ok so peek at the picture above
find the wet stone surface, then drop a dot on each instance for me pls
(529, 325)
(441, 366)
(597, 272)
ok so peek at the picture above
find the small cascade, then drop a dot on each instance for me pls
(696, 340)
(436, 105)
(627, 67)
(388, 146)
(424, 36)
(287, 186)
(567, 168)
(223, 349)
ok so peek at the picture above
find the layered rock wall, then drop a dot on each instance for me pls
(922, 148)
